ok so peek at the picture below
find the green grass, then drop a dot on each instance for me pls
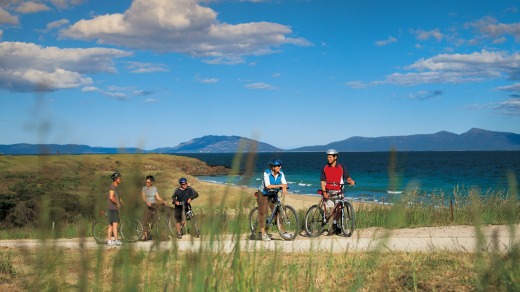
(224, 210)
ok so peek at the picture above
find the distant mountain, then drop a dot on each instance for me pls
(472, 140)
(36, 149)
(219, 144)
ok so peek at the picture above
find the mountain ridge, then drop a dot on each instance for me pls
(473, 140)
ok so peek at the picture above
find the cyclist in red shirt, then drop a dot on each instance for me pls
(333, 176)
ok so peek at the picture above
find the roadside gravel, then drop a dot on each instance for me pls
(447, 238)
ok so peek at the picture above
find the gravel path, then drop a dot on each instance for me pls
(449, 238)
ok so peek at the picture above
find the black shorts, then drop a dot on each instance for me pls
(113, 216)
(177, 212)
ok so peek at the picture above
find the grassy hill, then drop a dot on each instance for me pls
(78, 184)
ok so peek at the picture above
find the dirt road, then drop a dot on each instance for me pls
(449, 238)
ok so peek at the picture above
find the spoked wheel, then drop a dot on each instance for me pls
(131, 229)
(347, 219)
(192, 226)
(253, 222)
(162, 228)
(314, 221)
(288, 223)
(99, 231)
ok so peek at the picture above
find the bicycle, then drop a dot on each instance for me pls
(189, 223)
(283, 216)
(130, 229)
(317, 218)
(161, 224)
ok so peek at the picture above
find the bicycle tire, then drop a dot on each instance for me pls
(253, 221)
(347, 219)
(314, 221)
(193, 227)
(100, 230)
(288, 223)
(170, 219)
(162, 228)
(131, 229)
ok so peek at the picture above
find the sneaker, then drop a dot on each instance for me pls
(265, 237)
(179, 236)
(332, 230)
(118, 242)
(287, 235)
(111, 242)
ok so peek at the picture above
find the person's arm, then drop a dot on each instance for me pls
(113, 198)
(346, 176)
(175, 198)
(324, 189)
(158, 198)
(193, 195)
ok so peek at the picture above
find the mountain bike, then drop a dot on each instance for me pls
(130, 229)
(317, 216)
(189, 223)
(284, 217)
(161, 225)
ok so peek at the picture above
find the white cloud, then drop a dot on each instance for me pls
(57, 24)
(31, 7)
(509, 107)
(356, 84)
(260, 85)
(459, 68)
(6, 17)
(425, 35)
(390, 40)
(491, 28)
(510, 88)
(425, 94)
(183, 26)
(141, 67)
(89, 89)
(28, 67)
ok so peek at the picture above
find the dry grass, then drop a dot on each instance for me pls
(128, 269)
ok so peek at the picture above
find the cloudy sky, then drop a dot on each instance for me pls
(291, 73)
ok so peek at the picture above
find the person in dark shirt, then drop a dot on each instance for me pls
(182, 198)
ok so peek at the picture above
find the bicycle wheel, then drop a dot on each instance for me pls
(131, 229)
(347, 219)
(314, 221)
(253, 221)
(288, 223)
(162, 228)
(170, 219)
(192, 225)
(99, 231)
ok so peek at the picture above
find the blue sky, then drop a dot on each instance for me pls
(156, 73)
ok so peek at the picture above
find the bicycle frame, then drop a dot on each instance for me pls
(278, 208)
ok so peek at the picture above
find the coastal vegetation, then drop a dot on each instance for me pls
(57, 196)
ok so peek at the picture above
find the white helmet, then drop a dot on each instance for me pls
(332, 152)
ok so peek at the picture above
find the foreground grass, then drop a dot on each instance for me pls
(224, 210)
(127, 269)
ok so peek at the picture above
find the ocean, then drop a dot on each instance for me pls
(376, 173)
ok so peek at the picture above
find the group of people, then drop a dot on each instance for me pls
(333, 176)
(181, 198)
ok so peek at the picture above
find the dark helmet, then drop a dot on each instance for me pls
(150, 178)
(275, 162)
(332, 152)
(115, 175)
(183, 180)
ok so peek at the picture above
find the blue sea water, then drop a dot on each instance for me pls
(376, 173)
